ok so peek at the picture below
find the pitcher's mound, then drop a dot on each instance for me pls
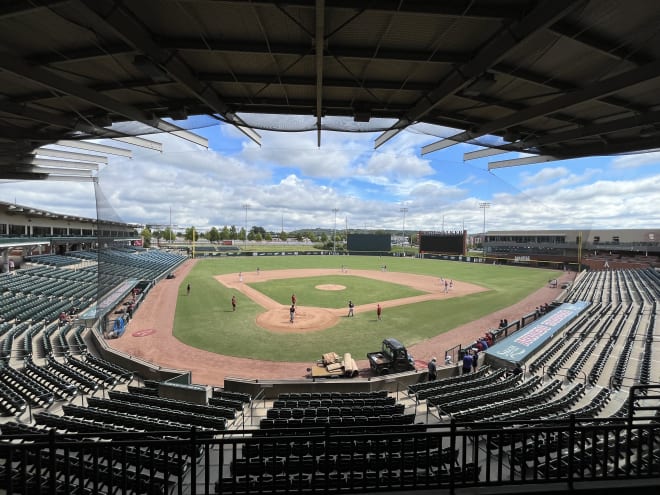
(330, 287)
(306, 320)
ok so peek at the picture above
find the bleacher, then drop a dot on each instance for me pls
(478, 429)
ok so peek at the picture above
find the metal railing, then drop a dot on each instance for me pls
(301, 460)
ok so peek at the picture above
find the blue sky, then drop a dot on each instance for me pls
(289, 182)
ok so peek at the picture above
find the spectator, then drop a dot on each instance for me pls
(447, 360)
(475, 359)
(117, 329)
(467, 363)
(433, 370)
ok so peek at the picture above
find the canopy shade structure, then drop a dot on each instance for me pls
(556, 78)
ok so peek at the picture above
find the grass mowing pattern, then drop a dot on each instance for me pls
(205, 319)
(358, 289)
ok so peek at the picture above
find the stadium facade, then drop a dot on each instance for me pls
(575, 247)
(27, 231)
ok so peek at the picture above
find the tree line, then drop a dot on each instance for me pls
(231, 233)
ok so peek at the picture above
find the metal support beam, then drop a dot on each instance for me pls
(590, 92)
(59, 84)
(603, 128)
(60, 164)
(70, 155)
(36, 169)
(52, 119)
(483, 153)
(320, 46)
(141, 142)
(522, 161)
(438, 145)
(108, 13)
(546, 13)
(390, 133)
(99, 148)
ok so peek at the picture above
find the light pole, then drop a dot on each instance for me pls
(246, 206)
(334, 234)
(484, 206)
(403, 228)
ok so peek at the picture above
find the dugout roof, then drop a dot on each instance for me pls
(555, 78)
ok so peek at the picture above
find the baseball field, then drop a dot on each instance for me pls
(416, 304)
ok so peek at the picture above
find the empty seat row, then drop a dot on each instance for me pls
(331, 395)
(336, 421)
(299, 412)
(334, 402)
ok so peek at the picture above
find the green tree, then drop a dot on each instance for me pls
(225, 235)
(324, 237)
(191, 234)
(283, 236)
(258, 230)
(168, 234)
(146, 237)
(213, 235)
(233, 233)
(268, 237)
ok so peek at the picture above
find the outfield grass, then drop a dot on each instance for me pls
(205, 319)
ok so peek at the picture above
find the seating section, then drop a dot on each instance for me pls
(343, 463)
(321, 441)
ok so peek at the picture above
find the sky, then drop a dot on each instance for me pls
(291, 184)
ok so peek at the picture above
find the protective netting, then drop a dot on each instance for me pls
(110, 274)
(304, 123)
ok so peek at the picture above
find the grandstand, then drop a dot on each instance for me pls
(583, 414)
(80, 420)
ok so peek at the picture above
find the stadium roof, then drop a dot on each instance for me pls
(554, 78)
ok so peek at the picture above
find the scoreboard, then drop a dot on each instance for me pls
(443, 242)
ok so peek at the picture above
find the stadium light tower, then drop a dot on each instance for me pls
(403, 228)
(484, 206)
(334, 234)
(246, 206)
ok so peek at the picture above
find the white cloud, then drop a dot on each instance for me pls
(290, 180)
(637, 160)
